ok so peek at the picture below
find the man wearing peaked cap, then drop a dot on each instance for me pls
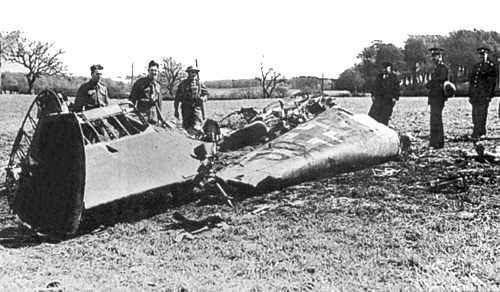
(437, 98)
(482, 82)
(435, 51)
(146, 95)
(483, 50)
(92, 94)
(385, 93)
(191, 94)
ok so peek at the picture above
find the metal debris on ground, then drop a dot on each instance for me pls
(480, 154)
(205, 176)
(438, 184)
(384, 172)
(406, 142)
(54, 286)
(454, 169)
(191, 227)
(191, 224)
(261, 209)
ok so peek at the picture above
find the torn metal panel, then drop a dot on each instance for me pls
(332, 143)
(62, 162)
(130, 166)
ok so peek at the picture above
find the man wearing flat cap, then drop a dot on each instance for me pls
(92, 94)
(191, 94)
(437, 98)
(146, 95)
(482, 82)
(385, 93)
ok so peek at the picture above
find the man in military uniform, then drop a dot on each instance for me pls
(191, 94)
(437, 98)
(482, 82)
(92, 94)
(146, 95)
(385, 94)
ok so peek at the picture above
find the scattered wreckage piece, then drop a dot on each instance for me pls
(482, 155)
(248, 135)
(438, 184)
(63, 162)
(386, 172)
(334, 142)
(192, 227)
(248, 126)
(469, 138)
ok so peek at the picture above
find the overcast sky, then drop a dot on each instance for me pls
(230, 39)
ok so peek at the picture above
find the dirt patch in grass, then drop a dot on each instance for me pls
(379, 229)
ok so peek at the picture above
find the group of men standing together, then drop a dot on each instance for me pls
(482, 83)
(191, 95)
(146, 96)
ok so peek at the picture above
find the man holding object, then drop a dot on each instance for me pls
(437, 98)
(482, 82)
(191, 94)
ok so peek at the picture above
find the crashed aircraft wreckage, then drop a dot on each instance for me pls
(63, 162)
(333, 142)
(275, 119)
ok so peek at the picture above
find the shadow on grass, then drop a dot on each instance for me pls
(13, 234)
(140, 207)
(19, 236)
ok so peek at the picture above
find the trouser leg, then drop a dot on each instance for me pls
(479, 118)
(381, 112)
(436, 126)
(386, 114)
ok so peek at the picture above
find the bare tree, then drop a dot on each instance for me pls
(269, 81)
(37, 58)
(8, 42)
(172, 73)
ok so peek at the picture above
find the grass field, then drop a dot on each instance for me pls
(353, 232)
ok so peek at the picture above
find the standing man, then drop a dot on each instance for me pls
(385, 94)
(482, 82)
(92, 94)
(437, 98)
(146, 95)
(191, 94)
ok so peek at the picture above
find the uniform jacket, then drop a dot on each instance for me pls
(145, 93)
(91, 95)
(386, 89)
(435, 85)
(190, 91)
(482, 82)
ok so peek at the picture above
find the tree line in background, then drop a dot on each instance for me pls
(15, 82)
(37, 57)
(411, 63)
(46, 71)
